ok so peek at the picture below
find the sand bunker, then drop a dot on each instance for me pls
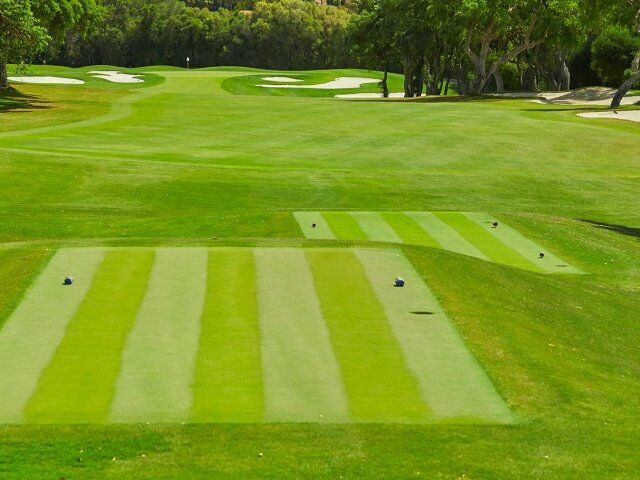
(281, 79)
(338, 83)
(116, 77)
(369, 95)
(630, 115)
(595, 96)
(47, 80)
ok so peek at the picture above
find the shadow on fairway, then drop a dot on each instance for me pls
(12, 100)
(621, 229)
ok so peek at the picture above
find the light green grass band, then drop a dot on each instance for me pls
(374, 226)
(451, 382)
(159, 358)
(32, 333)
(301, 375)
(306, 220)
(445, 235)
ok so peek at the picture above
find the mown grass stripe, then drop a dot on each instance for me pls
(379, 385)
(445, 235)
(374, 226)
(408, 230)
(228, 377)
(159, 357)
(301, 375)
(344, 226)
(32, 333)
(452, 383)
(79, 383)
(521, 244)
(321, 231)
(488, 244)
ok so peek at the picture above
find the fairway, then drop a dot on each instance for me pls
(467, 233)
(237, 335)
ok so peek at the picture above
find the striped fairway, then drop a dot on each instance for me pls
(77, 386)
(301, 375)
(159, 357)
(460, 232)
(451, 381)
(306, 220)
(172, 335)
(31, 335)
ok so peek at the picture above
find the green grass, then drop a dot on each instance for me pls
(248, 84)
(92, 345)
(301, 373)
(158, 360)
(376, 378)
(180, 161)
(228, 381)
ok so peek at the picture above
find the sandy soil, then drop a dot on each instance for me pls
(116, 77)
(630, 115)
(596, 96)
(47, 80)
(281, 79)
(338, 83)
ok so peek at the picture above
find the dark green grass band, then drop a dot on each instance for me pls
(344, 226)
(228, 378)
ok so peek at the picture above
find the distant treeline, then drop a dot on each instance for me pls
(282, 34)
(482, 46)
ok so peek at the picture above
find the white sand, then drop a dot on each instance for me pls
(47, 80)
(338, 83)
(281, 79)
(630, 115)
(116, 77)
(595, 96)
(369, 95)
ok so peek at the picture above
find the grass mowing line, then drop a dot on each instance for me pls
(408, 230)
(158, 360)
(34, 330)
(322, 231)
(379, 385)
(445, 235)
(78, 384)
(526, 247)
(491, 246)
(374, 226)
(452, 383)
(228, 377)
(344, 226)
(302, 379)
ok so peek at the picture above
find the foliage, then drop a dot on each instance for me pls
(21, 34)
(612, 52)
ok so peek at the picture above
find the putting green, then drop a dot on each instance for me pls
(464, 233)
(237, 335)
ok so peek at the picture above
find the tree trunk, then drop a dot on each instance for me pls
(630, 82)
(497, 75)
(4, 81)
(446, 87)
(624, 88)
(408, 78)
(565, 75)
(385, 88)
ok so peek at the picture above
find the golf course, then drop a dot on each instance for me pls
(232, 248)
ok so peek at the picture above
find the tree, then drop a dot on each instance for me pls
(27, 26)
(612, 52)
(21, 35)
(371, 39)
(498, 31)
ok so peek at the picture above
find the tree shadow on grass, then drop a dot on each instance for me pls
(12, 100)
(621, 229)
